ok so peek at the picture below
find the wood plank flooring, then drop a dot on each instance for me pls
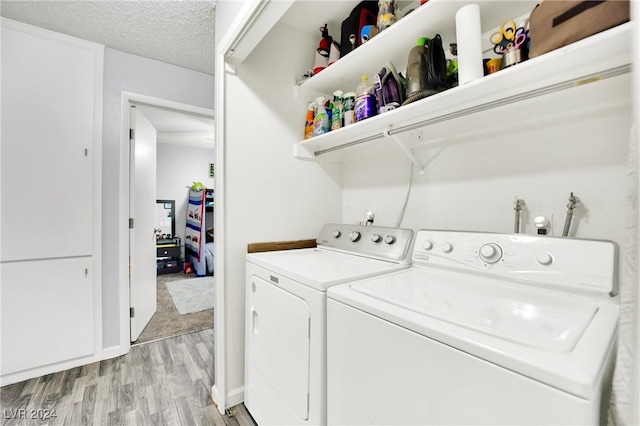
(165, 382)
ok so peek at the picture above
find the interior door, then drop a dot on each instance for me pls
(142, 240)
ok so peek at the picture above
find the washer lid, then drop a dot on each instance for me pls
(509, 313)
(320, 268)
(556, 338)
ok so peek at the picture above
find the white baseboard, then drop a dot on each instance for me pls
(235, 397)
(215, 396)
(113, 352)
(32, 373)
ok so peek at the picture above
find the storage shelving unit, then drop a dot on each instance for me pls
(563, 77)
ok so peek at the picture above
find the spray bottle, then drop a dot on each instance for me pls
(336, 116)
(321, 119)
(308, 125)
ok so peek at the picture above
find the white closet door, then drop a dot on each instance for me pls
(51, 314)
(47, 312)
(47, 146)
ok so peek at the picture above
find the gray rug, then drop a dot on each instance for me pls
(192, 295)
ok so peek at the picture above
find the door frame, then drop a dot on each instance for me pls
(126, 100)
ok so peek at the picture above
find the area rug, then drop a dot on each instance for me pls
(192, 295)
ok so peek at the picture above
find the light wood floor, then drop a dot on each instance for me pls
(166, 382)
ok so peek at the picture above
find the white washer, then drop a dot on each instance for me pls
(285, 323)
(483, 329)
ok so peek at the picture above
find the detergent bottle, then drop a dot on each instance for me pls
(365, 100)
(336, 116)
(308, 125)
(321, 119)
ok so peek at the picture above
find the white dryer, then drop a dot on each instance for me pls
(482, 329)
(285, 324)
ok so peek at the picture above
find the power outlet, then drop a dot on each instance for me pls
(371, 216)
(542, 224)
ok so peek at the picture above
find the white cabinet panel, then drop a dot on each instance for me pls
(49, 104)
(50, 218)
(47, 312)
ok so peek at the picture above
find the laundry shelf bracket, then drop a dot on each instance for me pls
(406, 150)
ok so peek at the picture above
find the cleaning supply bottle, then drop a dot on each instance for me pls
(365, 100)
(321, 119)
(348, 108)
(386, 14)
(336, 116)
(308, 125)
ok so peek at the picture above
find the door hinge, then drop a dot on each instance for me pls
(132, 134)
(130, 223)
(132, 312)
(86, 152)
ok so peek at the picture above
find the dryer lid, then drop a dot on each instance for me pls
(320, 268)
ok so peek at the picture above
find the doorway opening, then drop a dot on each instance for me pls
(184, 138)
(184, 152)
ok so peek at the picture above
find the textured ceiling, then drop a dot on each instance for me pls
(175, 32)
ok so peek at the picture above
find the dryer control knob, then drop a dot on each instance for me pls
(376, 238)
(389, 239)
(354, 236)
(544, 259)
(428, 245)
(336, 234)
(490, 253)
(447, 248)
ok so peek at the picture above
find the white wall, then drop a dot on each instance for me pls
(178, 167)
(631, 327)
(473, 185)
(269, 194)
(135, 74)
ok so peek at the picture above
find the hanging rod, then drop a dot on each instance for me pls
(568, 84)
(349, 144)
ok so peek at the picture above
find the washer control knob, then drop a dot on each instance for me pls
(447, 248)
(490, 253)
(376, 238)
(428, 245)
(354, 236)
(544, 259)
(389, 239)
(336, 234)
